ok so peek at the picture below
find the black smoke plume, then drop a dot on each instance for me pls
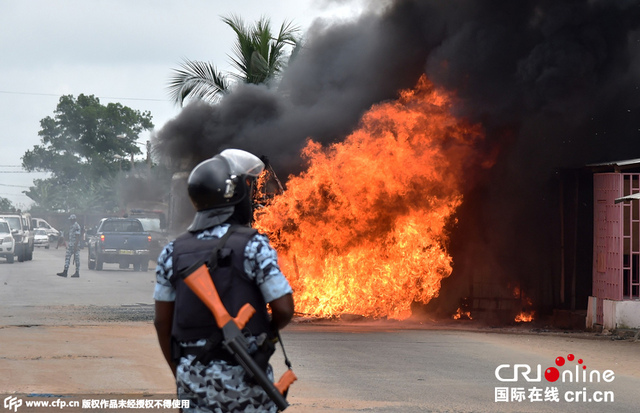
(555, 85)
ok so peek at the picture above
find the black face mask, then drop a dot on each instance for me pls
(243, 212)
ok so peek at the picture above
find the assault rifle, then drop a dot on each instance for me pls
(199, 280)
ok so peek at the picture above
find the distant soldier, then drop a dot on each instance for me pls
(73, 247)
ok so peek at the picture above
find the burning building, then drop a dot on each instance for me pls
(424, 147)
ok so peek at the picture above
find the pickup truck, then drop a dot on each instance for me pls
(155, 222)
(119, 240)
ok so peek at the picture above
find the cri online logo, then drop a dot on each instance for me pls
(508, 373)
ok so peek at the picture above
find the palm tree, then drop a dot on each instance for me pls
(258, 56)
(199, 80)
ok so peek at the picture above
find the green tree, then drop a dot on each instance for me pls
(6, 205)
(84, 146)
(258, 56)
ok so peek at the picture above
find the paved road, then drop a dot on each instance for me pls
(31, 291)
(93, 335)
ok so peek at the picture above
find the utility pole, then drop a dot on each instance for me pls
(149, 155)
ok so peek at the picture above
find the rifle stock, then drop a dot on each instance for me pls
(199, 281)
(286, 380)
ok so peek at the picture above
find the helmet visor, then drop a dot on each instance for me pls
(242, 162)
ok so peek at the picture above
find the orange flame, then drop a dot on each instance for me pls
(525, 317)
(462, 314)
(362, 230)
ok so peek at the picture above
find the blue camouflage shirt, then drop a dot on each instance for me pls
(74, 233)
(260, 264)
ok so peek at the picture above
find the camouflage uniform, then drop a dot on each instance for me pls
(220, 387)
(73, 247)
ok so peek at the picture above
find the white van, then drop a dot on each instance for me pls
(39, 223)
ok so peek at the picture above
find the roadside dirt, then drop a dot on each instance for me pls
(111, 358)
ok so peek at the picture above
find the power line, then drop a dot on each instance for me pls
(22, 172)
(15, 186)
(9, 92)
(14, 194)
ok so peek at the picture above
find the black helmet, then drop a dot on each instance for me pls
(218, 184)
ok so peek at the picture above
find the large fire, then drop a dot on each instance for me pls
(363, 229)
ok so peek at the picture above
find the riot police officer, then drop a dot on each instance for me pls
(247, 271)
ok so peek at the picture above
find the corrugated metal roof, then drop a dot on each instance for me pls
(616, 165)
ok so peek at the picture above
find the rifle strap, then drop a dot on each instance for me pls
(286, 359)
(284, 353)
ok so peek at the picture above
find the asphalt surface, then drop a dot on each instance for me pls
(92, 338)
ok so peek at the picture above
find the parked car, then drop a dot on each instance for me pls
(41, 239)
(20, 224)
(7, 243)
(119, 240)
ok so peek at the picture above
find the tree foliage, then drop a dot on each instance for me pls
(6, 205)
(84, 146)
(259, 57)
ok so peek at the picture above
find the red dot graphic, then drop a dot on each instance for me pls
(584, 367)
(580, 361)
(551, 374)
(570, 357)
(560, 361)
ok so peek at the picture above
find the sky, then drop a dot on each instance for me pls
(118, 50)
